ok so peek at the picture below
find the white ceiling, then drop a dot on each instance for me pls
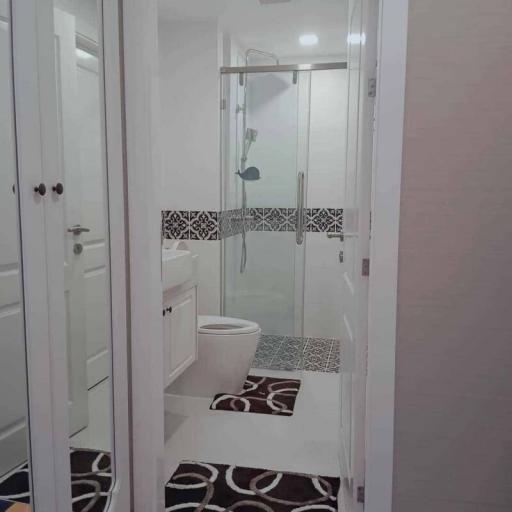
(274, 27)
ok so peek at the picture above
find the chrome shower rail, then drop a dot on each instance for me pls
(276, 68)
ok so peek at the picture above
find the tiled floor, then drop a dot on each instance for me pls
(292, 353)
(306, 442)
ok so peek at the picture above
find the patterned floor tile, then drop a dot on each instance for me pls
(294, 353)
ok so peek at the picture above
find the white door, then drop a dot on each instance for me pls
(92, 218)
(356, 227)
(70, 177)
(57, 306)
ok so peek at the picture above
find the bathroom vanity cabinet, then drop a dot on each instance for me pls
(179, 330)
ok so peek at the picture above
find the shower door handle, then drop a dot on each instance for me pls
(300, 209)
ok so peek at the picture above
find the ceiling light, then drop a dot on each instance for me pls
(308, 40)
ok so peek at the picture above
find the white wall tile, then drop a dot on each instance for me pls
(209, 274)
(190, 115)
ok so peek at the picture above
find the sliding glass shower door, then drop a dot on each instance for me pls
(265, 156)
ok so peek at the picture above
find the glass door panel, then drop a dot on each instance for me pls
(265, 132)
(15, 482)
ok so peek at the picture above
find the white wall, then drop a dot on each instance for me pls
(454, 350)
(190, 58)
(190, 115)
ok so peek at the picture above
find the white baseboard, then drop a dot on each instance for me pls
(186, 405)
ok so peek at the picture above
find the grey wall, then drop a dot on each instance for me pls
(453, 445)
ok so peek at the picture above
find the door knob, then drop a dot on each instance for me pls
(58, 189)
(77, 230)
(40, 189)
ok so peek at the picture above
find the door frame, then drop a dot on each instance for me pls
(142, 128)
(140, 29)
(383, 293)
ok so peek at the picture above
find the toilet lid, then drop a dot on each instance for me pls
(225, 326)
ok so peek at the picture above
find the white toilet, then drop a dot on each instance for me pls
(226, 348)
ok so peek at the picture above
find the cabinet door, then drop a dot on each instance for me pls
(180, 334)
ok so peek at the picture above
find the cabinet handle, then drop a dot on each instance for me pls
(40, 189)
(169, 309)
(58, 189)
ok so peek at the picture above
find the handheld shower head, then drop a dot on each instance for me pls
(250, 136)
(250, 174)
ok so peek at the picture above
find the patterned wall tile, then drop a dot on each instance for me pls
(204, 225)
(279, 219)
(339, 220)
(210, 225)
(176, 225)
(321, 220)
(258, 217)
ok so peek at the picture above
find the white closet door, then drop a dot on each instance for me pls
(62, 314)
(48, 467)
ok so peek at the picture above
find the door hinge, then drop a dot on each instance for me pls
(223, 104)
(372, 87)
(360, 494)
(365, 270)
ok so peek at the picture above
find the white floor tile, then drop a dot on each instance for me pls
(306, 442)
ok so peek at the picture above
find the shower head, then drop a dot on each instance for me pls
(250, 174)
(250, 136)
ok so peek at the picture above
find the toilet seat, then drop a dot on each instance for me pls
(225, 326)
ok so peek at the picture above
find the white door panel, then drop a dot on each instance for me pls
(66, 83)
(356, 227)
(93, 218)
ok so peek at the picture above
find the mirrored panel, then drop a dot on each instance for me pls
(79, 84)
(14, 452)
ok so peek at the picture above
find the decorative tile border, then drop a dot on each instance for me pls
(211, 225)
(190, 225)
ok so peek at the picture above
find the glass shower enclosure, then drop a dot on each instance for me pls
(265, 142)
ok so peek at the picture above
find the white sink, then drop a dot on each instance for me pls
(178, 267)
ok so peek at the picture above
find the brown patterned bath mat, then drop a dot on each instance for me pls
(200, 486)
(262, 395)
(91, 482)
